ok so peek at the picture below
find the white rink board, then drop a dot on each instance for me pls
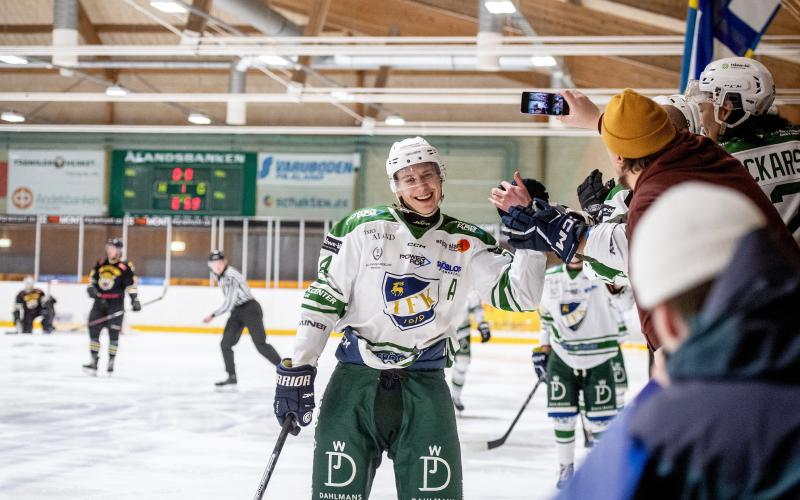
(157, 430)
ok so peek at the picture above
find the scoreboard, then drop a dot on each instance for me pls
(182, 183)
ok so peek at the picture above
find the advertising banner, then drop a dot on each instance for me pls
(56, 182)
(308, 186)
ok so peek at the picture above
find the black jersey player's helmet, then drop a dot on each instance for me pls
(216, 255)
(114, 242)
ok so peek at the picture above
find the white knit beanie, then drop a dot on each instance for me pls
(687, 237)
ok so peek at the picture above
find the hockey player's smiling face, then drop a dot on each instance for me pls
(420, 186)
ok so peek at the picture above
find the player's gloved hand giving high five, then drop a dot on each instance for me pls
(485, 331)
(294, 394)
(520, 227)
(592, 193)
(560, 229)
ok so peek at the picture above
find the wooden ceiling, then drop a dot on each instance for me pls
(29, 22)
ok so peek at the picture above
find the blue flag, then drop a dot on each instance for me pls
(723, 28)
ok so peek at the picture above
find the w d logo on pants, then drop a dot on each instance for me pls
(431, 473)
(336, 462)
(602, 393)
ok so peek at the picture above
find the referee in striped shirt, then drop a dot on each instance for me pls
(245, 312)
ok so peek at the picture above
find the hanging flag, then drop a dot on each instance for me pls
(723, 28)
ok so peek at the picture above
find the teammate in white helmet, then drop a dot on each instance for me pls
(683, 113)
(736, 96)
(473, 311)
(395, 280)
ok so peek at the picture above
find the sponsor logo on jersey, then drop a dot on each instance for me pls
(331, 244)
(415, 244)
(573, 314)
(461, 245)
(448, 268)
(496, 250)
(410, 300)
(311, 323)
(382, 236)
(389, 357)
(377, 253)
(364, 212)
(417, 260)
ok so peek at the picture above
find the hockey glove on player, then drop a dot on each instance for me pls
(592, 193)
(485, 331)
(561, 228)
(294, 394)
(523, 234)
(92, 291)
(539, 358)
(135, 304)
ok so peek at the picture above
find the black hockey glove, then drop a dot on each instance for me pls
(535, 190)
(92, 291)
(592, 193)
(561, 228)
(520, 227)
(485, 331)
(294, 394)
(135, 304)
(539, 358)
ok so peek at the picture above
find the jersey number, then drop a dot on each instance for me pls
(777, 195)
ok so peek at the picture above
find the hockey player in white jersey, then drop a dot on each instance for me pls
(395, 280)
(463, 356)
(579, 342)
(735, 95)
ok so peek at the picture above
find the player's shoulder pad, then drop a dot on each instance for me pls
(454, 226)
(359, 217)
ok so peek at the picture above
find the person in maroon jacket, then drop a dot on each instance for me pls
(649, 157)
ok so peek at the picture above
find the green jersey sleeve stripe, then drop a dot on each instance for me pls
(317, 309)
(352, 221)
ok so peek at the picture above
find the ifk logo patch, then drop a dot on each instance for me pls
(573, 314)
(410, 300)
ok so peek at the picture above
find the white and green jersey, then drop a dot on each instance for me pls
(579, 321)
(398, 291)
(606, 250)
(775, 165)
(474, 309)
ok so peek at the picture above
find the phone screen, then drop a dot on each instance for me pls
(543, 103)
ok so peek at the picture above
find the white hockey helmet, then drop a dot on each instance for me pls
(408, 152)
(686, 106)
(28, 283)
(745, 82)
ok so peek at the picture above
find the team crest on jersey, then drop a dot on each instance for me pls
(410, 300)
(573, 314)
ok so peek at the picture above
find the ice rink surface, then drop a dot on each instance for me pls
(157, 430)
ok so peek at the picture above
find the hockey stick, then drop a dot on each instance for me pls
(288, 423)
(499, 442)
(116, 314)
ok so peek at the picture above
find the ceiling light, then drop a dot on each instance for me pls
(199, 119)
(115, 90)
(13, 60)
(5, 242)
(543, 61)
(168, 6)
(342, 95)
(177, 246)
(12, 117)
(271, 60)
(395, 121)
(500, 6)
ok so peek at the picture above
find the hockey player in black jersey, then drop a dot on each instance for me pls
(110, 279)
(31, 303)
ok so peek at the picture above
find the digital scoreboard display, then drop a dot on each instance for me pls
(182, 183)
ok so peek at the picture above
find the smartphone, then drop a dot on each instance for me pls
(543, 103)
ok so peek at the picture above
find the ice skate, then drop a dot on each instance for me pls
(91, 368)
(564, 475)
(227, 385)
(457, 403)
(110, 368)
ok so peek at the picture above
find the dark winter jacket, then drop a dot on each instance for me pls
(728, 426)
(692, 157)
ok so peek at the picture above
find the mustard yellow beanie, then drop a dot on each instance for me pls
(634, 126)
